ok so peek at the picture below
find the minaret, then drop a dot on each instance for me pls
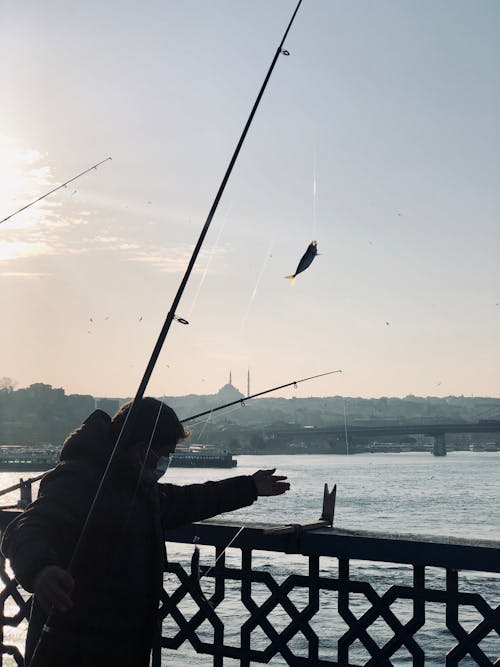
(248, 382)
(230, 379)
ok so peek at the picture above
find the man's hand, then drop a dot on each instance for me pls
(269, 484)
(53, 587)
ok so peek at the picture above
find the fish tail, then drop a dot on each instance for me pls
(292, 278)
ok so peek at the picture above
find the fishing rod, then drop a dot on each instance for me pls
(242, 401)
(171, 315)
(129, 419)
(130, 416)
(63, 185)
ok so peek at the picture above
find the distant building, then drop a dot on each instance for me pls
(229, 393)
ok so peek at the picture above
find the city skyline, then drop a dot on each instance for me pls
(378, 137)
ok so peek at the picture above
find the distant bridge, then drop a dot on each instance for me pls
(436, 430)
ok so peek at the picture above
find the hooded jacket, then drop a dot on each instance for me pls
(119, 569)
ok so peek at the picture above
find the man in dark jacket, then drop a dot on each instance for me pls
(103, 612)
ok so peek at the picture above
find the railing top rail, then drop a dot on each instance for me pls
(426, 550)
(14, 487)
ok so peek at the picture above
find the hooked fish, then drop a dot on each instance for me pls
(305, 261)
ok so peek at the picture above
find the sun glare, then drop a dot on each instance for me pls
(17, 250)
(22, 178)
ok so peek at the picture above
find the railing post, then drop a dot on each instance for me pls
(26, 495)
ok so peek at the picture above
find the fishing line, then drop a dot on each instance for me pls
(314, 190)
(345, 430)
(208, 419)
(241, 529)
(215, 417)
(257, 283)
(209, 261)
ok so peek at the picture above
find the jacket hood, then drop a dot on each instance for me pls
(91, 442)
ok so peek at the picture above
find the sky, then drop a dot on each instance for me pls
(378, 136)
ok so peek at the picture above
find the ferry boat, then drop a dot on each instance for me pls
(15, 458)
(197, 459)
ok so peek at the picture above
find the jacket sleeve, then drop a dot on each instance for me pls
(181, 505)
(42, 535)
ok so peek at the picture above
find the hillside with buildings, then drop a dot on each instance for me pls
(41, 414)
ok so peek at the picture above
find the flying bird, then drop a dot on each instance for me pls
(305, 261)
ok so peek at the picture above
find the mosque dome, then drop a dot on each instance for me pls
(229, 393)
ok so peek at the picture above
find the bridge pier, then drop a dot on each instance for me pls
(439, 446)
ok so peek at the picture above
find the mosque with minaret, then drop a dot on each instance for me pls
(229, 392)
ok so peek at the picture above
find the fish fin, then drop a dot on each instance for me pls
(292, 278)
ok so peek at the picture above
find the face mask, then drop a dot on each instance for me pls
(161, 467)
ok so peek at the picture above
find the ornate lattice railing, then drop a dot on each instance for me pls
(323, 598)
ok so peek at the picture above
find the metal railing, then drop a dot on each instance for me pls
(322, 598)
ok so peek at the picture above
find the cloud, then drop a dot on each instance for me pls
(23, 274)
(173, 259)
(58, 226)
